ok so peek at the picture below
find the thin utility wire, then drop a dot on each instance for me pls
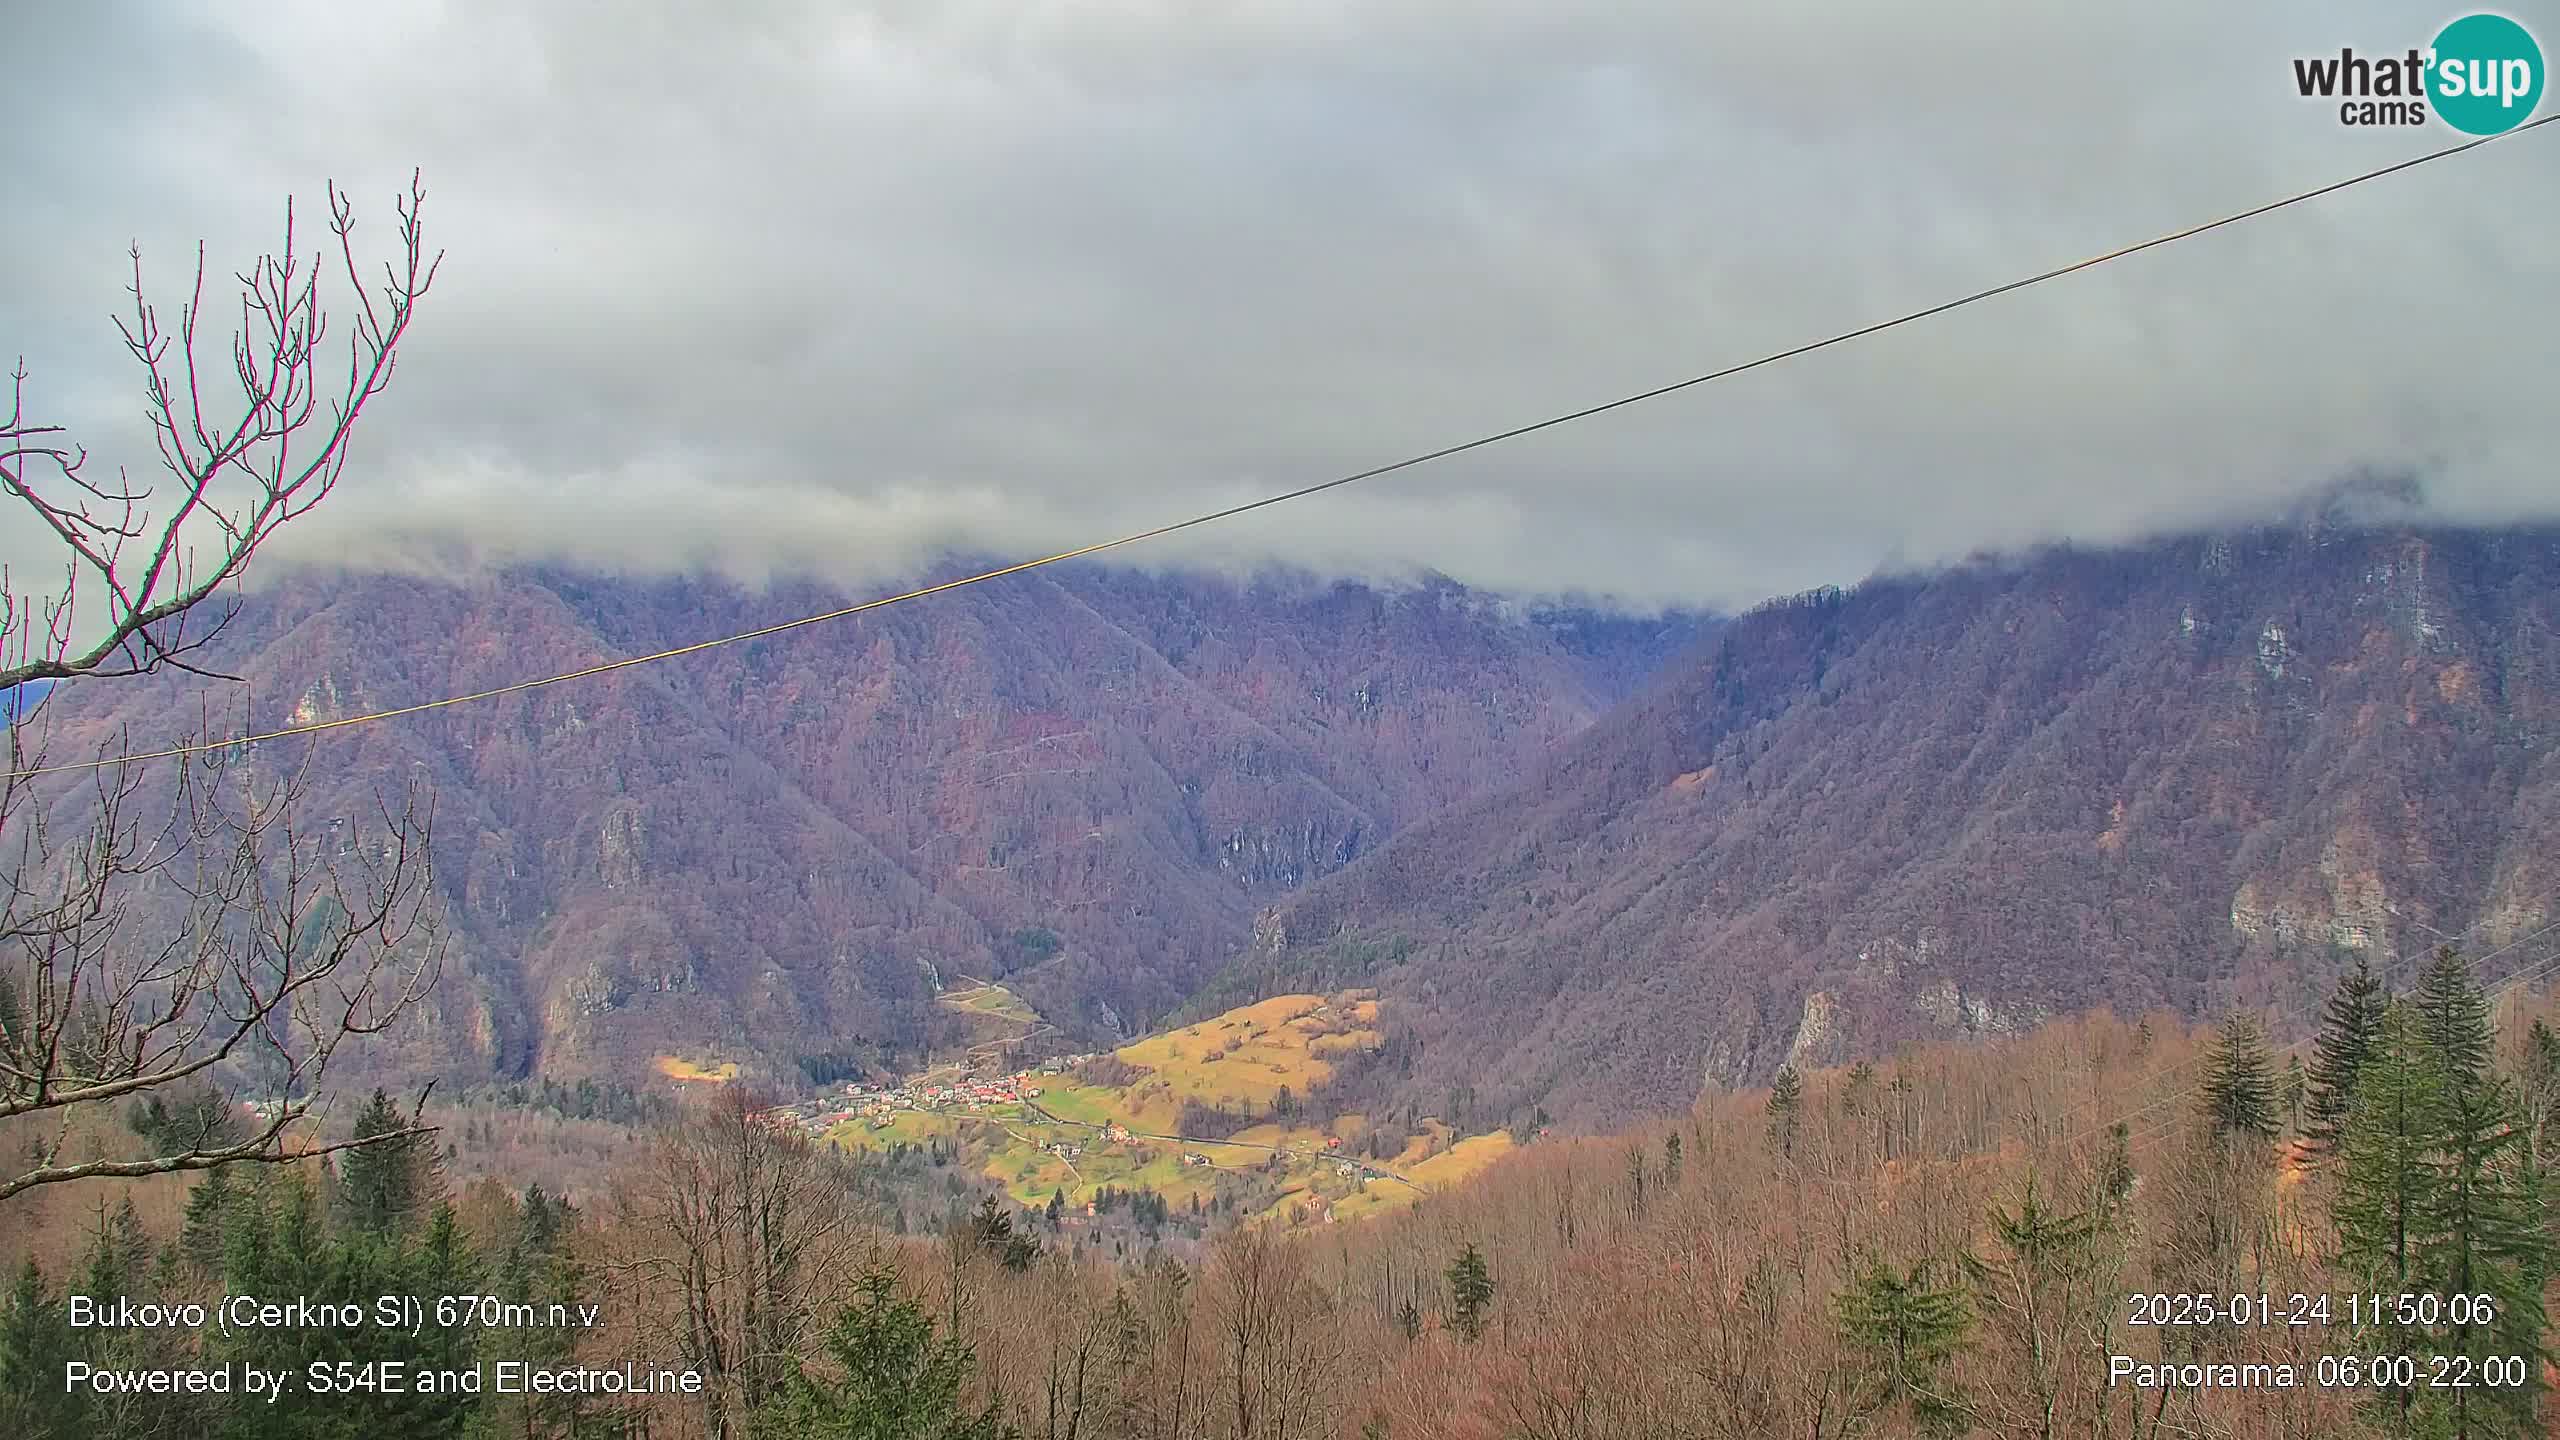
(2302, 1010)
(2533, 971)
(2508, 985)
(1302, 492)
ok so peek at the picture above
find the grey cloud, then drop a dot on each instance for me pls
(807, 288)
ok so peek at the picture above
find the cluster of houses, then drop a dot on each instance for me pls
(879, 1105)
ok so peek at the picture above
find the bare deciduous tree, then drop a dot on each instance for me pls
(178, 926)
(1280, 1348)
(735, 1232)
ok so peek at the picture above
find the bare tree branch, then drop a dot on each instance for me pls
(178, 927)
(241, 468)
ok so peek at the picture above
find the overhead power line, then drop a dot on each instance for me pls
(2531, 972)
(1303, 491)
(2408, 957)
(2523, 975)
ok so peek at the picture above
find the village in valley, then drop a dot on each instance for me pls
(1073, 1133)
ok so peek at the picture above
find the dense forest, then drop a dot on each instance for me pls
(982, 788)
(2195, 774)
(2354, 1237)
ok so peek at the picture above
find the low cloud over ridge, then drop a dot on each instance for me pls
(800, 287)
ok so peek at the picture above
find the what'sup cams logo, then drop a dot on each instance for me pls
(2482, 75)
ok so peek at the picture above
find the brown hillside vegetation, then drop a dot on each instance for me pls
(1639, 1295)
(2190, 774)
(1080, 784)
(1695, 1277)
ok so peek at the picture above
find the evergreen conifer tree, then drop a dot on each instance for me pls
(34, 1343)
(1907, 1328)
(2045, 1280)
(2453, 1018)
(208, 1206)
(990, 1228)
(387, 1187)
(2538, 1085)
(2115, 1167)
(898, 1382)
(1470, 1292)
(2485, 1235)
(1786, 1099)
(445, 1265)
(2386, 1183)
(2348, 1025)
(1860, 1089)
(2239, 1088)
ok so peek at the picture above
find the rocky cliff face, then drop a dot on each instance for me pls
(2190, 774)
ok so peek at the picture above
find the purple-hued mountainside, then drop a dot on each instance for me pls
(2192, 774)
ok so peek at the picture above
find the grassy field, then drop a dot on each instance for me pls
(686, 1070)
(993, 1001)
(1468, 1157)
(1245, 1057)
(1012, 1144)
(1088, 1104)
(1459, 1161)
(1241, 1060)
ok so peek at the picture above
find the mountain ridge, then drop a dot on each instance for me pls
(1084, 781)
(2193, 773)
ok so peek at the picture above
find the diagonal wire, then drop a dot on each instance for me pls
(1302, 492)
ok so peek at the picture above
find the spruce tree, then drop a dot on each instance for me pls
(118, 1263)
(1470, 1292)
(2542, 1064)
(1907, 1329)
(1786, 1098)
(2538, 1083)
(386, 1187)
(2485, 1235)
(1861, 1087)
(2348, 1024)
(2453, 1018)
(533, 1266)
(897, 1381)
(990, 1229)
(2043, 1283)
(2386, 1183)
(445, 1265)
(208, 1206)
(538, 1221)
(2443, 1196)
(34, 1344)
(119, 1251)
(2239, 1090)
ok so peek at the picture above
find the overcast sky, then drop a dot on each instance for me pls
(827, 287)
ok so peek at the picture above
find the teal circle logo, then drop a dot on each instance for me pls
(2484, 74)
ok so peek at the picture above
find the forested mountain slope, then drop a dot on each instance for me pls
(1086, 780)
(2195, 773)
